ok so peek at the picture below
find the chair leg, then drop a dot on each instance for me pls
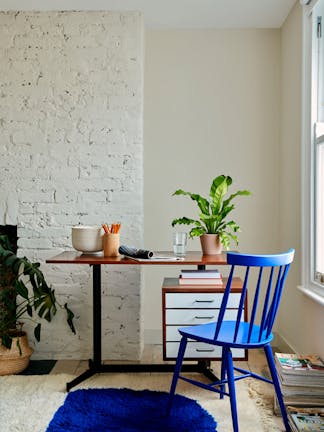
(231, 387)
(177, 369)
(275, 380)
(223, 374)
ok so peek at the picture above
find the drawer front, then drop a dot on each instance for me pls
(172, 333)
(200, 350)
(196, 316)
(199, 300)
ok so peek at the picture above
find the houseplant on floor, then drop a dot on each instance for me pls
(213, 227)
(24, 294)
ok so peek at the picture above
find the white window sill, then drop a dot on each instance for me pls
(318, 298)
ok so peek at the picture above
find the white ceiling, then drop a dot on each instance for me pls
(177, 13)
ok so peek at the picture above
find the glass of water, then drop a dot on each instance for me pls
(179, 243)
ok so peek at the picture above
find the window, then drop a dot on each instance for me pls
(318, 120)
(319, 213)
(313, 151)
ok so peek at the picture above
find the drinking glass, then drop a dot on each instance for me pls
(179, 243)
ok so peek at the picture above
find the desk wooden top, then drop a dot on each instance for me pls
(191, 258)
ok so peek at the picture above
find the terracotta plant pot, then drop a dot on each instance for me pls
(211, 244)
(14, 361)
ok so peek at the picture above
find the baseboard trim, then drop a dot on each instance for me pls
(281, 343)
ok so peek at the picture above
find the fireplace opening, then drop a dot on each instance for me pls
(11, 232)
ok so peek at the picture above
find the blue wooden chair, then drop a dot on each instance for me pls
(266, 288)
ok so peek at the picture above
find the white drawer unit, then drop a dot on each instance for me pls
(190, 305)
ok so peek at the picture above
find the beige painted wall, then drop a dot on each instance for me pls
(301, 321)
(211, 106)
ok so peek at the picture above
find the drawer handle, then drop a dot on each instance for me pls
(205, 350)
(204, 317)
(204, 301)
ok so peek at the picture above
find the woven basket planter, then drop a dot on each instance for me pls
(12, 361)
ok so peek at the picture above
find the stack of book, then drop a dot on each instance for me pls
(301, 380)
(200, 277)
(303, 419)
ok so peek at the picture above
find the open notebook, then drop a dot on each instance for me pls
(145, 255)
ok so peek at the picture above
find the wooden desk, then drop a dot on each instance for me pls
(96, 261)
(191, 258)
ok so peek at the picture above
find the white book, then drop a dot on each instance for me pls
(201, 274)
(200, 281)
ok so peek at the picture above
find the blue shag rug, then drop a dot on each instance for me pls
(125, 410)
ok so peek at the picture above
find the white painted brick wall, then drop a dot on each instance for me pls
(71, 93)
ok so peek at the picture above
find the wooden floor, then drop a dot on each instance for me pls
(153, 354)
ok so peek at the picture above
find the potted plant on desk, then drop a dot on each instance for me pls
(24, 293)
(213, 228)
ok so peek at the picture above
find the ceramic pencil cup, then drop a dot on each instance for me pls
(111, 244)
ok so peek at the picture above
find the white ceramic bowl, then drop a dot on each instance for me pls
(87, 239)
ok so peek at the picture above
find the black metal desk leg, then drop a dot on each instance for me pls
(203, 366)
(95, 363)
(96, 316)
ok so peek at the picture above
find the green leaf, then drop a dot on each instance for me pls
(5, 243)
(42, 310)
(29, 310)
(202, 202)
(21, 289)
(233, 225)
(48, 316)
(70, 316)
(19, 346)
(16, 266)
(6, 341)
(238, 193)
(226, 210)
(215, 183)
(37, 331)
(217, 199)
(37, 302)
(184, 221)
(197, 232)
(10, 260)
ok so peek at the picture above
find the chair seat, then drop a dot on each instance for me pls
(206, 332)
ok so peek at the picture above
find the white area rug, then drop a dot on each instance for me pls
(28, 403)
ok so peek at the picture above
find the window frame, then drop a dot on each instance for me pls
(309, 285)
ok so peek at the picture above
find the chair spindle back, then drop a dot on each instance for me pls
(271, 272)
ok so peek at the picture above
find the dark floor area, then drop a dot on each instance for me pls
(39, 367)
